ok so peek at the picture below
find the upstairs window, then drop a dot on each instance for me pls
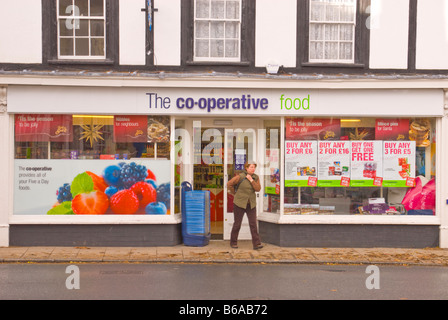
(81, 29)
(217, 30)
(332, 26)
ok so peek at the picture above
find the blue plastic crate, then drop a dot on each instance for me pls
(195, 216)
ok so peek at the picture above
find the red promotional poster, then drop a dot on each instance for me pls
(43, 127)
(312, 129)
(130, 128)
(345, 181)
(378, 181)
(392, 129)
(312, 181)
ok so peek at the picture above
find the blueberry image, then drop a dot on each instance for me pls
(112, 174)
(156, 208)
(110, 191)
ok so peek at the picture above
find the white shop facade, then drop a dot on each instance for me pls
(358, 166)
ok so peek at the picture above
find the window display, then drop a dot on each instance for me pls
(271, 168)
(359, 166)
(132, 176)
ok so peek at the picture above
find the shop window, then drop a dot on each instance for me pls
(271, 168)
(218, 31)
(79, 164)
(362, 166)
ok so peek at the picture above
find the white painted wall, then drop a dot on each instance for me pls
(167, 34)
(432, 34)
(21, 31)
(132, 32)
(276, 32)
(389, 33)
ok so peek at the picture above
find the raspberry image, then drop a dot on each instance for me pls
(64, 193)
(145, 192)
(124, 202)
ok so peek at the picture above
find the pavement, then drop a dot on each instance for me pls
(219, 251)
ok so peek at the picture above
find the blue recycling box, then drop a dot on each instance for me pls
(195, 216)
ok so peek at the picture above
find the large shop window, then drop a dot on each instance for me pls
(90, 165)
(360, 166)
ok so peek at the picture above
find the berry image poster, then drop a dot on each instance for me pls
(91, 187)
(300, 163)
(399, 163)
(366, 163)
(333, 163)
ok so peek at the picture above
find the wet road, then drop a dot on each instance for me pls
(220, 282)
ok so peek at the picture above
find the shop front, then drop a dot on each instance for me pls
(344, 167)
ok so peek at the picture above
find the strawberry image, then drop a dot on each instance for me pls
(124, 202)
(404, 174)
(98, 182)
(145, 193)
(95, 202)
(151, 175)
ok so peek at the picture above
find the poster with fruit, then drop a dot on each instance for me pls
(399, 163)
(300, 163)
(333, 163)
(91, 187)
(366, 163)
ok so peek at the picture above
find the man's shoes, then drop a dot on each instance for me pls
(258, 247)
(234, 246)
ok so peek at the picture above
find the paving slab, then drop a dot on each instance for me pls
(117, 254)
(143, 254)
(38, 253)
(90, 254)
(220, 251)
(169, 254)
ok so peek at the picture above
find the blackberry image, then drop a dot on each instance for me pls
(163, 194)
(64, 193)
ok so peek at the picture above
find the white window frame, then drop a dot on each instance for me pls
(210, 20)
(76, 19)
(326, 23)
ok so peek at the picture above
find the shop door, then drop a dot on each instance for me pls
(240, 147)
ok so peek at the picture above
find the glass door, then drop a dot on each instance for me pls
(240, 147)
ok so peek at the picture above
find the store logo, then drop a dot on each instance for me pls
(295, 103)
(245, 102)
